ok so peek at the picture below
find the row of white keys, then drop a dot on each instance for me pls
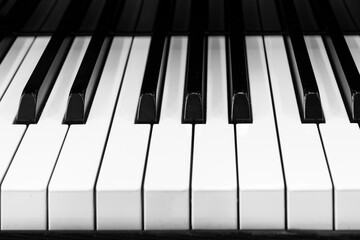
(24, 189)
(214, 179)
(11, 135)
(166, 186)
(340, 138)
(261, 184)
(309, 187)
(118, 189)
(71, 188)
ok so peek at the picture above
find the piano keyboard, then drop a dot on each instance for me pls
(180, 115)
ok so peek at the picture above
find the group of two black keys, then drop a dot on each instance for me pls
(38, 88)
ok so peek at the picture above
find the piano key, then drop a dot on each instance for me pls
(5, 45)
(240, 108)
(42, 79)
(181, 16)
(12, 61)
(261, 183)
(353, 7)
(129, 16)
(83, 90)
(304, 80)
(346, 73)
(24, 197)
(353, 42)
(194, 101)
(71, 189)
(119, 184)
(309, 189)
(343, 168)
(214, 180)
(12, 134)
(85, 85)
(166, 185)
(150, 95)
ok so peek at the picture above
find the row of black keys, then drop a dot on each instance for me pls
(44, 75)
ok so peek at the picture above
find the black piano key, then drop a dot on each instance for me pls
(87, 78)
(53, 21)
(354, 8)
(306, 16)
(216, 16)
(250, 12)
(345, 70)
(343, 17)
(42, 79)
(303, 75)
(83, 90)
(194, 99)
(239, 92)
(5, 7)
(5, 45)
(129, 16)
(194, 94)
(39, 16)
(147, 16)
(181, 16)
(151, 90)
(269, 16)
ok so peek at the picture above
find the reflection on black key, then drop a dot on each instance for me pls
(39, 16)
(354, 9)
(147, 16)
(216, 16)
(181, 16)
(251, 16)
(83, 89)
(306, 88)
(53, 21)
(346, 72)
(269, 16)
(306, 16)
(343, 17)
(42, 79)
(129, 17)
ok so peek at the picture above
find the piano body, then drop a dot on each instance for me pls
(186, 119)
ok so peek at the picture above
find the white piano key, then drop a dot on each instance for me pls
(11, 135)
(261, 184)
(309, 188)
(71, 188)
(118, 190)
(340, 138)
(214, 181)
(12, 61)
(353, 43)
(24, 189)
(166, 187)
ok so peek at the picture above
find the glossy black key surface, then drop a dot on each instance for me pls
(53, 21)
(83, 89)
(216, 16)
(345, 70)
(147, 16)
(269, 16)
(343, 16)
(195, 78)
(306, 89)
(306, 16)
(42, 79)
(39, 16)
(92, 17)
(148, 110)
(238, 79)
